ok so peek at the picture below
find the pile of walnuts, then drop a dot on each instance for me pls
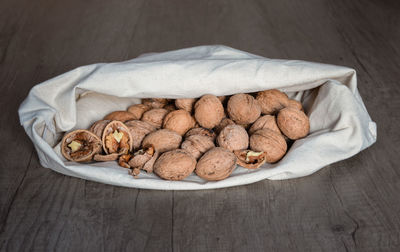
(209, 135)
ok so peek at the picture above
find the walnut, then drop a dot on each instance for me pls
(233, 137)
(271, 101)
(264, 122)
(98, 127)
(179, 121)
(197, 145)
(203, 132)
(224, 122)
(222, 99)
(208, 111)
(122, 116)
(170, 107)
(216, 164)
(137, 110)
(80, 145)
(155, 102)
(104, 158)
(270, 142)
(293, 123)
(117, 138)
(123, 160)
(144, 159)
(243, 109)
(174, 165)
(155, 116)
(185, 103)
(250, 159)
(295, 104)
(163, 140)
(139, 130)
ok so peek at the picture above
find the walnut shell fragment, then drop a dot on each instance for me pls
(208, 111)
(233, 137)
(293, 123)
(265, 122)
(201, 131)
(216, 164)
(250, 159)
(144, 159)
(139, 130)
(179, 121)
(185, 103)
(174, 165)
(137, 110)
(155, 102)
(243, 108)
(271, 101)
(163, 140)
(98, 127)
(270, 142)
(197, 145)
(122, 116)
(105, 158)
(155, 116)
(117, 138)
(80, 145)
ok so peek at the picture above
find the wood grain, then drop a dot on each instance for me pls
(352, 205)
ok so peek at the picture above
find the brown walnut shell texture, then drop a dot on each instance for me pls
(163, 140)
(155, 102)
(271, 101)
(105, 158)
(110, 145)
(295, 104)
(122, 116)
(270, 142)
(144, 159)
(252, 162)
(155, 116)
(170, 107)
(243, 109)
(201, 131)
(233, 137)
(90, 145)
(179, 121)
(98, 127)
(174, 165)
(293, 123)
(197, 145)
(265, 122)
(139, 130)
(216, 164)
(185, 103)
(137, 110)
(208, 111)
(224, 122)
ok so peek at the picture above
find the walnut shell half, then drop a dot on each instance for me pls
(179, 121)
(270, 142)
(163, 140)
(216, 164)
(293, 123)
(174, 165)
(233, 137)
(250, 159)
(80, 145)
(117, 138)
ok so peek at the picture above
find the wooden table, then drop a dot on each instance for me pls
(350, 205)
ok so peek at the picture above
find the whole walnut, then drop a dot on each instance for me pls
(163, 140)
(203, 132)
(233, 137)
(185, 103)
(264, 122)
(243, 109)
(295, 104)
(271, 101)
(155, 102)
(216, 164)
(270, 142)
(80, 145)
(196, 145)
(122, 116)
(174, 165)
(155, 116)
(137, 110)
(293, 123)
(98, 127)
(224, 122)
(179, 121)
(139, 130)
(208, 111)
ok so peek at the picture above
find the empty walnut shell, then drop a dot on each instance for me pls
(105, 158)
(243, 109)
(201, 131)
(155, 116)
(139, 130)
(80, 145)
(208, 111)
(144, 159)
(117, 138)
(163, 140)
(216, 164)
(271, 101)
(98, 127)
(122, 116)
(233, 137)
(270, 142)
(197, 145)
(295, 104)
(265, 122)
(137, 110)
(185, 103)
(293, 123)
(224, 122)
(174, 165)
(250, 159)
(155, 102)
(179, 121)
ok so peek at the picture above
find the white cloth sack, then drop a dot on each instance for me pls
(340, 124)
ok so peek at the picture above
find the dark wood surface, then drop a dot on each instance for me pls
(352, 205)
